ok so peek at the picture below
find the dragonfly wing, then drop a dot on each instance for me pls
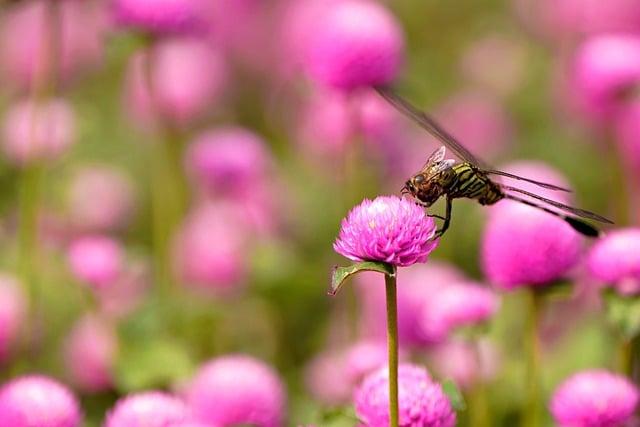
(521, 178)
(575, 211)
(429, 124)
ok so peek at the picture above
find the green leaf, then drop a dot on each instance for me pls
(156, 363)
(340, 274)
(455, 397)
(624, 313)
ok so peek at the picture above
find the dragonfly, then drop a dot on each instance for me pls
(471, 178)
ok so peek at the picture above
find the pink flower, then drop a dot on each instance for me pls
(38, 132)
(90, 353)
(605, 69)
(389, 229)
(23, 50)
(238, 389)
(125, 294)
(615, 260)
(96, 260)
(12, 313)
(356, 43)
(627, 132)
(162, 16)
(148, 409)
(466, 363)
(228, 160)
(188, 78)
(37, 400)
(422, 401)
(333, 375)
(525, 246)
(209, 252)
(594, 398)
(100, 198)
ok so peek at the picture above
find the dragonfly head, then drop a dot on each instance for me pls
(424, 189)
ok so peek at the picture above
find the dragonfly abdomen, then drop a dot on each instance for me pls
(471, 183)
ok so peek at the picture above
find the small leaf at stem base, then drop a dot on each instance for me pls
(340, 274)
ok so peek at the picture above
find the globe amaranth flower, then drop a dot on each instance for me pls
(38, 131)
(422, 401)
(37, 400)
(524, 246)
(13, 304)
(389, 229)
(237, 389)
(162, 16)
(615, 260)
(90, 352)
(466, 363)
(96, 260)
(356, 43)
(148, 409)
(594, 398)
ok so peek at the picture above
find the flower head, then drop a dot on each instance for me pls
(237, 389)
(356, 43)
(390, 229)
(38, 401)
(615, 260)
(422, 401)
(594, 399)
(96, 260)
(148, 409)
(162, 16)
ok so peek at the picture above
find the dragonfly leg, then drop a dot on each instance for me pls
(447, 219)
(437, 216)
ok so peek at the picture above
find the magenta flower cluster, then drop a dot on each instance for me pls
(390, 229)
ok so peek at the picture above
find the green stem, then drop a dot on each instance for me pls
(480, 411)
(392, 342)
(532, 415)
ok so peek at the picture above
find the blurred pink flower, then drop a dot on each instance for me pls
(604, 73)
(12, 313)
(356, 43)
(90, 352)
(209, 251)
(162, 16)
(238, 389)
(100, 198)
(38, 131)
(627, 132)
(332, 376)
(37, 400)
(127, 292)
(433, 300)
(466, 363)
(96, 260)
(188, 78)
(594, 398)
(422, 401)
(390, 229)
(148, 409)
(228, 160)
(23, 49)
(614, 260)
(523, 246)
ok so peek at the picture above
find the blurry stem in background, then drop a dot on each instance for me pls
(628, 356)
(392, 343)
(532, 408)
(479, 410)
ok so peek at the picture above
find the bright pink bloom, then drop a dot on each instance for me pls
(238, 389)
(24, 51)
(422, 401)
(90, 354)
(37, 400)
(356, 43)
(148, 409)
(162, 16)
(38, 132)
(615, 260)
(228, 160)
(96, 260)
(332, 376)
(594, 398)
(606, 69)
(188, 78)
(390, 229)
(12, 313)
(209, 252)
(525, 246)
(100, 198)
